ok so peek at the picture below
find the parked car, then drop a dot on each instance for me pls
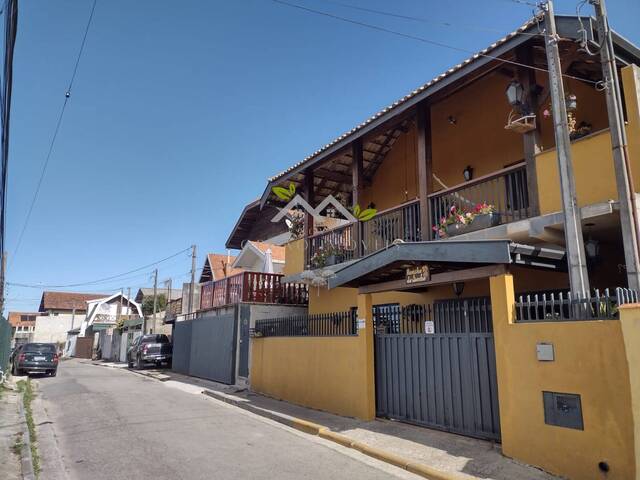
(156, 349)
(36, 357)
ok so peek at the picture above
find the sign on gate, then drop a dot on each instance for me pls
(429, 327)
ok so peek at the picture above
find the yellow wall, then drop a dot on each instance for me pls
(590, 360)
(631, 86)
(396, 180)
(593, 171)
(630, 321)
(334, 374)
(294, 257)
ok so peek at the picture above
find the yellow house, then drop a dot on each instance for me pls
(449, 308)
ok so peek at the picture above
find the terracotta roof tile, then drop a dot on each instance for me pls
(277, 251)
(67, 300)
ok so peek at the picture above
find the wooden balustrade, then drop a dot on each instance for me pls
(506, 190)
(255, 287)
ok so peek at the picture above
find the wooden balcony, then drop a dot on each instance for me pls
(506, 190)
(253, 287)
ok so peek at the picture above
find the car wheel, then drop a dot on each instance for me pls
(53, 373)
(129, 363)
(139, 363)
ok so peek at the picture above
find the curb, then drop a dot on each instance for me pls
(26, 459)
(323, 432)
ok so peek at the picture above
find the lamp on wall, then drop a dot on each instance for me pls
(458, 288)
(591, 245)
(515, 94)
(467, 173)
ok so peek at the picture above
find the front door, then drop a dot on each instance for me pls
(445, 379)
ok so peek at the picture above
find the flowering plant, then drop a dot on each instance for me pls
(458, 216)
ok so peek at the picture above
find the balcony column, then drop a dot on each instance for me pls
(356, 177)
(532, 145)
(425, 176)
(309, 194)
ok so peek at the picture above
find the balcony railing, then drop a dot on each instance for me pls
(254, 287)
(506, 190)
(398, 223)
(345, 243)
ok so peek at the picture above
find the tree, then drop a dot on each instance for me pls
(147, 304)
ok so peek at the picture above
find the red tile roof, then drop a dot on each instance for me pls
(67, 300)
(277, 252)
(220, 265)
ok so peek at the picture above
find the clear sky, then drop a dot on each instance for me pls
(181, 110)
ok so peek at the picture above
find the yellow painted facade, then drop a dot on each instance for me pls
(631, 87)
(590, 360)
(294, 255)
(334, 374)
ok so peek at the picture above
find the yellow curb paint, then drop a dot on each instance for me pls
(336, 437)
(307, 427)
(383, 455)
(431, 473)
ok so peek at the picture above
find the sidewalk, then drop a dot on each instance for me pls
(460, 456)
(11, 430)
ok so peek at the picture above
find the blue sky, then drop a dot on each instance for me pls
(181, 110)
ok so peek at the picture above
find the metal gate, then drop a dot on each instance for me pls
(445, 379)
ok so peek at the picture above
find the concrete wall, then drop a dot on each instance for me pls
(54, 328)
(590, 360)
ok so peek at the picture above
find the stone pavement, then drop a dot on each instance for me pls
(11, 427)
(446, 452)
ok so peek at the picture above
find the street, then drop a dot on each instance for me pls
(109, 423)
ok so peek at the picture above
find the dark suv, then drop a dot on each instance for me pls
(156, 349)
(36, 357)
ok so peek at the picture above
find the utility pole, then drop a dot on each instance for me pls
(624, 179)
(192, 286)
(155, 295)
(576, 259)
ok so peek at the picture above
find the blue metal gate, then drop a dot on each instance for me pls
(445, 379)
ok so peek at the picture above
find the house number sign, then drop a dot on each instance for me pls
(418, 274)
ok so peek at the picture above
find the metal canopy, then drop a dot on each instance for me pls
(442, 256)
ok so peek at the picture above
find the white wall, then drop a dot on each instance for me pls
(54, 328)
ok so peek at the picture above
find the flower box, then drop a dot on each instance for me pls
(480, 222)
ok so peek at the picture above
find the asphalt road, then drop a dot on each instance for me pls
(110, 423)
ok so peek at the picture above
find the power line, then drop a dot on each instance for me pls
(100, 280)
(425, 20)
(422, 39)
(67, 95)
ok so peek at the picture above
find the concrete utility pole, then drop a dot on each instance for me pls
(576, 259)
(155, 295)
(624, 180)
(192, 285)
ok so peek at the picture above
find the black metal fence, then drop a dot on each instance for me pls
(562, 306)
(337, 324)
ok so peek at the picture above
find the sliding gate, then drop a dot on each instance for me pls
(435, 366)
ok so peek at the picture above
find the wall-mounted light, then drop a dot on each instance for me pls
(591, 245)
(571, 102)
(452, 120)
(467, 173)
(458, 288)
(515, 94)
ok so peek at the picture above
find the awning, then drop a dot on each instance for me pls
(442, 256)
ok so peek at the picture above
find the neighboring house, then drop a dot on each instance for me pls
(462, 322)
(253, 256)
(23, 325)
(218, 266)
(255, 223)
(169, 294)
(60, 312)
(106, 317)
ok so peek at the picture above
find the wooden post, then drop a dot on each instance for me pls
(425, 171)
(309, 194)
(532, 147)
(356, 177)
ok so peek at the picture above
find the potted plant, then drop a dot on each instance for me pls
(460, 221)
(326, 255)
